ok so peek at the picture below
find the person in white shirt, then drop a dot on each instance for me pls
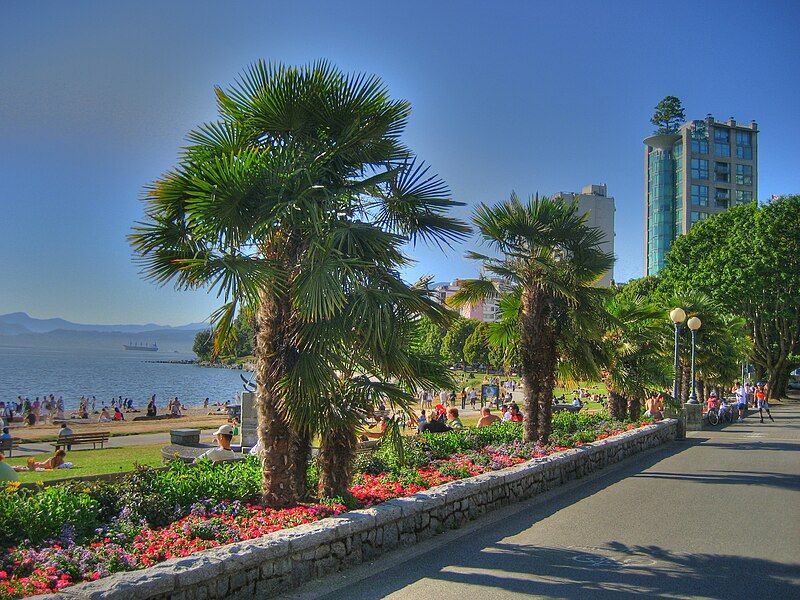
(224, 436)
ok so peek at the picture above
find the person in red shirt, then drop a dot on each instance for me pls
(516, 415)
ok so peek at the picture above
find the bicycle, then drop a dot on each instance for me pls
(714, 417)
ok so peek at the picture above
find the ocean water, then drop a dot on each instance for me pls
(107, 374)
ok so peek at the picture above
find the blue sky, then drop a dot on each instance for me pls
(96, 98)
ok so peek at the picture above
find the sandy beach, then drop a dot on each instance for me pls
(193, 417)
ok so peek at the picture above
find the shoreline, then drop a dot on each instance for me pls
(243, 366)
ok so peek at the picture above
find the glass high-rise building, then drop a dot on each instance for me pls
(700, 170)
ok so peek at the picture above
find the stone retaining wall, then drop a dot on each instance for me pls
(288, 558)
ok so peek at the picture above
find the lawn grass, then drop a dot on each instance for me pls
(93, 462)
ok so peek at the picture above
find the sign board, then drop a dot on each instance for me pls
(490, 392)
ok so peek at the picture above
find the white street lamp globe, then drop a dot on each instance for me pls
(678, 315)
(694, 323)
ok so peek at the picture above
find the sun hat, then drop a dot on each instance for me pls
(224, 430)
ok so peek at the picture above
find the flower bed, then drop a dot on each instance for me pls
(139, 535)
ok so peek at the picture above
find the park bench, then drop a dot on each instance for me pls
(78, 439)
(9, 445)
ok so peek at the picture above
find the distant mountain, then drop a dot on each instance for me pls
(19, 323)
(168, 340)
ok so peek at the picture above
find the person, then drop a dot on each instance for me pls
(152, 409)
(577, 402)
(464, 398)
(53, 462)
(105, 416)
(118, 416)
(723, 408)
(487, 418)
(655, 407)
(235, 425)
(64, 432)
(516, 415)
(505, 410)
(452, 419)
(472, 396)
(422, 419)
(375, 435)
(762, 402)
(7, 473)
(712, 402)
(434, 427)
(5, 435)
(205, 403)
(741, 400)
(223, 451)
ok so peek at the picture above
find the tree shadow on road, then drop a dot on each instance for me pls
(766, 478)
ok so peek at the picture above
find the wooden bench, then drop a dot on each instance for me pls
(78, 439)
(9, 445)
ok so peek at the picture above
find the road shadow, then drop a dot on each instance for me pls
(779, 480)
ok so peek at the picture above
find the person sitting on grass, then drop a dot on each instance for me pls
(7, 473)
(434, 426)
(452, 419)
(516, 415)
(487, 418)
(223, 452)
(118, 416)
(51, 463)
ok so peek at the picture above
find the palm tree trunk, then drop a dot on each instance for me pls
(300, 452)
(530, 364)
(549, 381)
(634, 408)
(278, 484)
(701, 391)
(686, 383)
(337, 453)
(617, 405)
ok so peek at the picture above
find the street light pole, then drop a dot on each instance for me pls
(678, 315)
(694, 324)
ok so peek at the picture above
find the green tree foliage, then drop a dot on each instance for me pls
(455, 338)
(429, 336)
(203, 345)
(669, 115)
(747, 260)
(299, 202)
(476, 346)
(551, 259)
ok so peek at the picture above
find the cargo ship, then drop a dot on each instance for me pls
(141, 347)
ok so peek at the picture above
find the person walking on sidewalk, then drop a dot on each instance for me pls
(741, 400)
(761, 401)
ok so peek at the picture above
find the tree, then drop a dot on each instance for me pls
(635, 354)
(203, 345)
(476, 346)
(297, 203)
(747, 259)
(669, 115)
(551, 259)
(429, 336)
(455, 338)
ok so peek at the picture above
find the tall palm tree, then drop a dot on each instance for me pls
(635, 354)
(295, 201)
(551, 259)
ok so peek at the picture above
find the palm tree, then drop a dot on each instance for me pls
(551, 260)
(296, 202)
(635, 354)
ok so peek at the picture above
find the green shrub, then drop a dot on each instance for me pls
(46, 513)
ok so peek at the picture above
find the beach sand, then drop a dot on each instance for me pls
(196, 418)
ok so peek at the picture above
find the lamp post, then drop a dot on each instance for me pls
(678, 316)
(694, 324)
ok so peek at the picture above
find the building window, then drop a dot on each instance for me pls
(744, 145)
(722, 197)
(722, 135)
(699, 146)
(700, 195)
(722, 172)
(722, 149)
(677, 150)
(699, 168)
(744, 196)
(744, 174)
(699, 215)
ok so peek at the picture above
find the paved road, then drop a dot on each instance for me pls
(651, 527)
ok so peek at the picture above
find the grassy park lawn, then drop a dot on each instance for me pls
(93, 462)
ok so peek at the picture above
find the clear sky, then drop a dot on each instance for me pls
(96, 98)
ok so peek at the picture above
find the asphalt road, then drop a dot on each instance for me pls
(716, 516)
